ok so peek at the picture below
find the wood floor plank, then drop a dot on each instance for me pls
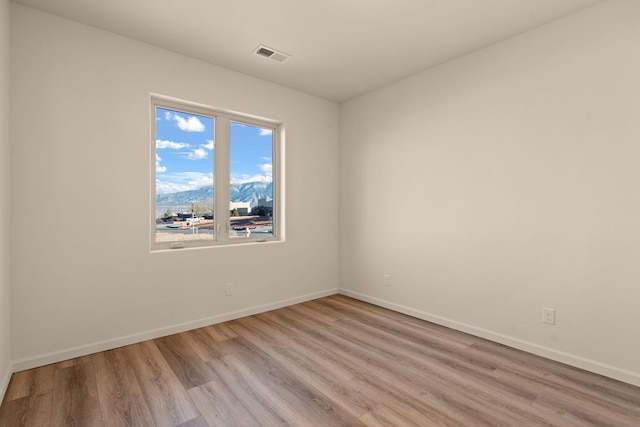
(546, 376)
(316, 350)
(354, 309)
(166, 398)
(386, 389)
(121, 400)
(275, 339)
(458, 372)
(579, 405)
(375, 373)
(32, 410)
(576, 414)
(187, 366)
(219, 406)
(75, 396)
(255, 397)
(366, 385)
(380, 378)
(331, 361)
(220, 332)
(30, 382)
(316, 372)
(196, 422)
(301, 397)
(204, 346)
(384, 416)
(476, 400)
(402, 326)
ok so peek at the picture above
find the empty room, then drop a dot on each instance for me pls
(319, 213)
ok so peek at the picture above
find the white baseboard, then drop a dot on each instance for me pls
(4, 382)
(559, 356)
(84, 350)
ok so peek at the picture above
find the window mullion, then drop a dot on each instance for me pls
(222, 178)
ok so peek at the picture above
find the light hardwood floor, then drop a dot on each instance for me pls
(329, 362)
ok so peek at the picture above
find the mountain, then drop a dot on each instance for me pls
(247, 192)
(251, 192)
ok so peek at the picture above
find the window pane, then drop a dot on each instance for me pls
(184, 176)
(251, 187)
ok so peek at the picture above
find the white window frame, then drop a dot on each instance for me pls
(222, 176)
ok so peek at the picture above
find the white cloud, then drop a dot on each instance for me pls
(183, 181)
(159, 168)
(201, 180)
(192, 124)
(265, 132)
(163, 187)
(267, 169)
(244, 178)
(161, 143)
(208, 145)
(197, 154)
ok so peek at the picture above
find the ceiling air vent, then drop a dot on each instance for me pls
(272, 54)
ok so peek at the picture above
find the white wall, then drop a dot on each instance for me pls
(5, 290)
(504, 182)
(80, 125)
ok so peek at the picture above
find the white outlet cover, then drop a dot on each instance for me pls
(549, 315)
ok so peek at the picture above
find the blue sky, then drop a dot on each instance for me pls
(185, 152)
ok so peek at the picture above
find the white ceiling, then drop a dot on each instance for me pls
(340, 48)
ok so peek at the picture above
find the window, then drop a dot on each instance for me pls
(214, 177)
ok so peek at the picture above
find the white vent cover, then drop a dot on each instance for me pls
(274, 55)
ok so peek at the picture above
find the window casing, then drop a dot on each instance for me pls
(215, 179)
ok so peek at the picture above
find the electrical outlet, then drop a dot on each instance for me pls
(229, 289)
(549, 315)
(387, 280)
